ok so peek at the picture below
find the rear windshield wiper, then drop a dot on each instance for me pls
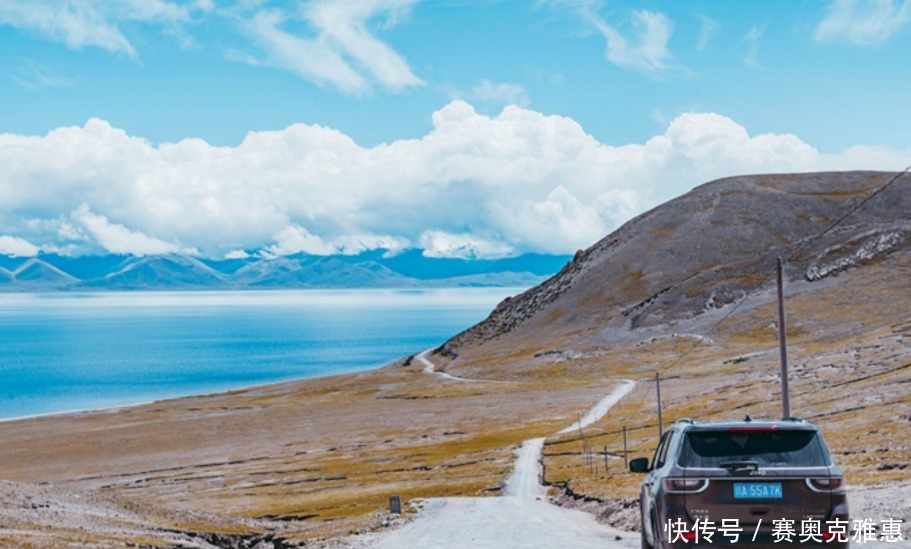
(737, 465)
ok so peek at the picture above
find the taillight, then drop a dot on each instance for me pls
(685, 485)
(828, 485)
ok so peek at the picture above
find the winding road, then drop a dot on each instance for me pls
(521, 518)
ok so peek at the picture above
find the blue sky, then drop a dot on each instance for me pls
(120, 118)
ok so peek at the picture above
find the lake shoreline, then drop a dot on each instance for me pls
(77, 352)
(309, 459)
(116, 408)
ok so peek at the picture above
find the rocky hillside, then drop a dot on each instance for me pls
(687, 291)
(308, 460)
(699, 253)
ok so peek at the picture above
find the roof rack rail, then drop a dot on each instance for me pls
(797, 419)
(691, 421)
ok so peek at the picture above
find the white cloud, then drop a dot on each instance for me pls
(357, 243)
(462, 246)
(499, 93)
(516, 182)
(33, 76)
(751, 39)
(707, 29)
(328, 42)
(645, 49)
(712, 144)
(90, 23)
(344, 22)
(341, 52)
(237, 254)
(17, 247)
(556, 224)
(295, 239)
(863, 22)
(118, 239)
(67, 231)
(313, 60)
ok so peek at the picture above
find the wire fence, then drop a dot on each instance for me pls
(645, 388)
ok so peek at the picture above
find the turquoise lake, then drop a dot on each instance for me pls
(63, 352)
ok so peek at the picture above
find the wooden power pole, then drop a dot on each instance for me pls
(783, 347)
(625, 455)
(658, 388)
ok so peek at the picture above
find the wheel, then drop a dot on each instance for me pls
(645, 543)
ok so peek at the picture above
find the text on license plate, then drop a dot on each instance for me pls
(757, 490)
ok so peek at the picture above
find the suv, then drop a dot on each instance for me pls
(752, 483)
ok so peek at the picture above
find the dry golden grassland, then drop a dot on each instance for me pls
(320, 458)
(314, 458)
(850, 370)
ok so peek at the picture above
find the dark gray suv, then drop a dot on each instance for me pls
(751, 483)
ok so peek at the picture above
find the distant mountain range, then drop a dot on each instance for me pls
(373, 269)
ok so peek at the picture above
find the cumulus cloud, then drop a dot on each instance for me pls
(118, 239)
(17, 247)
(340, 51)
(237, 254)
(295, 239)
(863, 22)
(473, 186)
(91, 23)
(499, 93)
(462, 246)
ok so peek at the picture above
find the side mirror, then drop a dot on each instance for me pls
(639, 465)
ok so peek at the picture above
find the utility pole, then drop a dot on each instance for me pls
(658, 387)
(625, 455)
(783, 346)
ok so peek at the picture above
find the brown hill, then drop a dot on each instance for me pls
(687, 290)
(317, 458)
(674, 265)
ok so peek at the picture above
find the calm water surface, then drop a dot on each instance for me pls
(62, 352)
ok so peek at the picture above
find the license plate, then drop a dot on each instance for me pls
(757, 490)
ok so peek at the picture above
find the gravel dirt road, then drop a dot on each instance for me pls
(521, 518)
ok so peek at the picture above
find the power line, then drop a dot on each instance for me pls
(796, 251)
(800, 247)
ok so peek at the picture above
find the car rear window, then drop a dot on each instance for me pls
(769, 448)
